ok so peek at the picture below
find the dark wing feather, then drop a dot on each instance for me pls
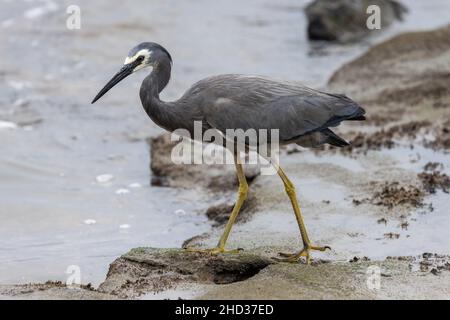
(248, 102)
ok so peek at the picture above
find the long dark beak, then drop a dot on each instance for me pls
(119, 76)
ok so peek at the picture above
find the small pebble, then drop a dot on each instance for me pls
(122, 191)
(104, 178)
(90, 221)
(135, 185)
(180, 212)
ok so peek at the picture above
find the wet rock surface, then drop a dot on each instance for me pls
(253, 275)
(346, 20)
(145, 270)
(335, 281)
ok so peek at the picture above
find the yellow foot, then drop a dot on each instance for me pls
(215, 250)
(295, 257)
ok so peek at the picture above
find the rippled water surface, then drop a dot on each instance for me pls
(53, 210)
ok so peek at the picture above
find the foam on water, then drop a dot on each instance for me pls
(37, 12)
(7, 125)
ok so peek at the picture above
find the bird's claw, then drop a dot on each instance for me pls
(213, 251)
(305, 252)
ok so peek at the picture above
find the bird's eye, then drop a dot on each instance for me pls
(140, 58)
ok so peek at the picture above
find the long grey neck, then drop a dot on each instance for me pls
(162, 113)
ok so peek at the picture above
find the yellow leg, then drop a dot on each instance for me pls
(307, 246)
(242, 195)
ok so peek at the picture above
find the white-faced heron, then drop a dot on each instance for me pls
(302, 116)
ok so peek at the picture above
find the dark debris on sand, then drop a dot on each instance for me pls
(393, 194)
(442, 138)
(385, 138)
(426, 262)
(433, 181)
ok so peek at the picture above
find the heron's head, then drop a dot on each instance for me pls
(146, 54)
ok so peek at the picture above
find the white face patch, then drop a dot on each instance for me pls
(143, 52)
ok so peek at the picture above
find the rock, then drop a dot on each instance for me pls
(294, 281)
(346, 20)
(252, 275)
(336, 281)
(402, 79)
(144, 270)
(166, 173)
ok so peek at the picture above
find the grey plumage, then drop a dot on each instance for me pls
(252, 102)
(232, 101)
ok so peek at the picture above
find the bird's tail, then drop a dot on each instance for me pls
(333, 139)
(357, 118)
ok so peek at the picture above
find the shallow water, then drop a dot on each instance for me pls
(53, 211)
